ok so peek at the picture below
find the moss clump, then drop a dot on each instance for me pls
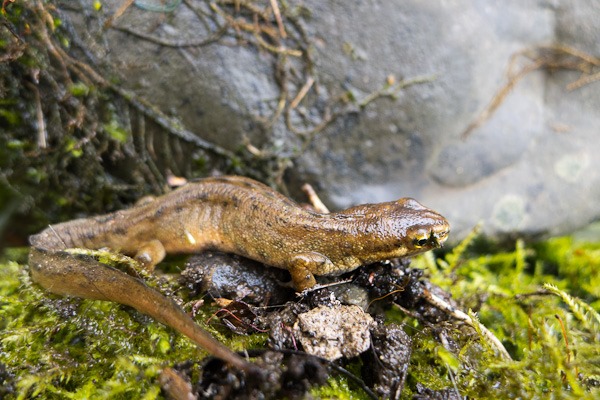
(523, 296)
(72, 348)
(55, 160)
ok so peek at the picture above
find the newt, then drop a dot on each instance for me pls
(230, 214)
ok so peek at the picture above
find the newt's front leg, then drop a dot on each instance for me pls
(304, 266)
(83, 276)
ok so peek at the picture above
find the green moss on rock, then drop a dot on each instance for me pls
(541, 301)
(72, 348)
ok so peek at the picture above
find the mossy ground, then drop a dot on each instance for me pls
(540, 300)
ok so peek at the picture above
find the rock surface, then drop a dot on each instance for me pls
(334, 332)
(389, 361)
(529, 168)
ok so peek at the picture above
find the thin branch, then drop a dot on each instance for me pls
(542, 57)
(303, 91)
(42, 133)
(122, 8)
(277, 13)
(174, 43)
(462, 316)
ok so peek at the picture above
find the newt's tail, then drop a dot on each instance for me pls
(83, 276)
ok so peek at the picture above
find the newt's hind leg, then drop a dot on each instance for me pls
(150, 254)
(304, 266)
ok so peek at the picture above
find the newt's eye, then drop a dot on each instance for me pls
(420, 242)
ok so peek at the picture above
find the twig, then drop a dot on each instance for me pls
(277, 13)
(573, 52)
(584, 80)
(171, 125)
(393, 90)
(323, 286)
(548, 57)
(52, 49)
(461, 316)
(277, 49)
(42, 133)
(256, 29)
(124, 6)
(174, 43)
(303, 91)
(314, 199)
(499, 98)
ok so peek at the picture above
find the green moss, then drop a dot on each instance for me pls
(115, 131)
(541, 301)
(551, 336)
(338, 388)
(72, 348)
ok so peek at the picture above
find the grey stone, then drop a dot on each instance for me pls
(334, 332)
(531, 168)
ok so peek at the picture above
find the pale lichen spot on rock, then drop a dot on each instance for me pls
(571, 167)
(509, 213)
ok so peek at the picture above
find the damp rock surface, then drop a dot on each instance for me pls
(234, 278)
(388, 363)
(334, 332)
(529, 167)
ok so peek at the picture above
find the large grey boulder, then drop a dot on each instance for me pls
(530, 167)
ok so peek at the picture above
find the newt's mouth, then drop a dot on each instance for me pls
(437, 239)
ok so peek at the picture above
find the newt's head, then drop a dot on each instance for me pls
(426, 229)
(397, 229)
